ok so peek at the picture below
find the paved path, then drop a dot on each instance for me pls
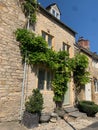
(93, 126)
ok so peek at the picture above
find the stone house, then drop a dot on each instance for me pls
(59, 37)
(90, 91)
(57, 34)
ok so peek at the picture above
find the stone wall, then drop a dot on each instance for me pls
(11, 69)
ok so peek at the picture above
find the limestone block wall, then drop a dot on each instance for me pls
(11, 68)
(60, 34)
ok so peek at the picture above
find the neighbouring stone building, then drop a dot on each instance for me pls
(11, 68)
(90, 91)
(57, 34)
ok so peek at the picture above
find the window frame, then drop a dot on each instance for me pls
(46, 38)
(48, 76)
(65, 46)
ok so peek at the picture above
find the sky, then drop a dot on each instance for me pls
(81, 16)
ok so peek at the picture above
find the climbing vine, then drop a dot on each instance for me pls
(38, 52)
(30, 7)
(81, 75)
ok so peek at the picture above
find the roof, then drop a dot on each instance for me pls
(88, 52)
(48, 7)
(48, 14)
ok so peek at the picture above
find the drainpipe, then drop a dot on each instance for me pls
(23, 88)
(24, 76)
(24, 79)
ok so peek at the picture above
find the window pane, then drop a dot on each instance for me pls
(44, 35)
(41, 78)
(49, 80)
(49, 41)
(53, 12)
(65, 47)
(57, 15)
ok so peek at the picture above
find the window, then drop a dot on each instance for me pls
(49, 78)
(53, 12)
(65, 47)
(44, 35)
(49, 41)
(48, 38)
(41, 79)
(44, 79)
(57, 15)
(96, 86)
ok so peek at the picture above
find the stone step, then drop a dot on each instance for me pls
(70, 109)
(77, 114)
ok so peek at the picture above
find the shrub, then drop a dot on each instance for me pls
(88, 107)
(35, 102)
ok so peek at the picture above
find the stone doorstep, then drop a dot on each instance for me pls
(77, 114)
(70, 109)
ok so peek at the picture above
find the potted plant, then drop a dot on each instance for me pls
(33, 108)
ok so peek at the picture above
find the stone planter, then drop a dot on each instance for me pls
(30, 120)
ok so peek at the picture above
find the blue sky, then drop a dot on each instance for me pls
(81, 16)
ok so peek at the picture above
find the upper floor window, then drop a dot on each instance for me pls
(49, 41)
(48, 38)
(57, 15)
(65, 47)
(53, 12)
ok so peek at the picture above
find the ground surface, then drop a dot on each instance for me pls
(78, 124)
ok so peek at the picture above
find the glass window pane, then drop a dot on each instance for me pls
(41, 79)
(65, 47)
(48, 80)
(49, 41)
(53, 12)
(44, 35)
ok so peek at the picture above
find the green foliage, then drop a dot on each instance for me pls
(89, 107)
(79, 67)
(38, 52)
(80, 73)
(34, 47)
(30, 7)
(62, 77)
(35, 102)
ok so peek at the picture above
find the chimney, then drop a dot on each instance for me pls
(84, 43)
